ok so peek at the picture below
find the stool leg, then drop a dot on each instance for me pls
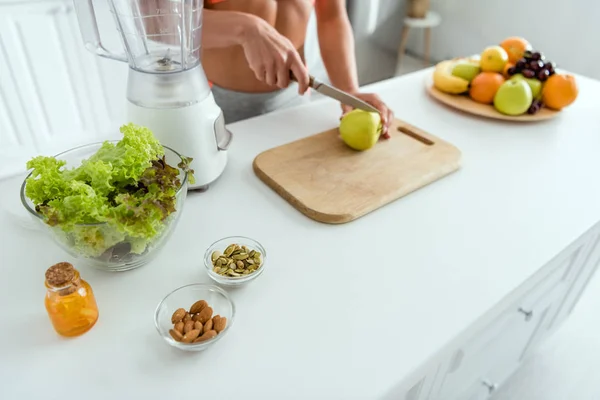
(427, 45)
(402, 48)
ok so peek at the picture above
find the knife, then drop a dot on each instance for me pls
(339, 95)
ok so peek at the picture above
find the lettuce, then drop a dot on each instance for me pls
(123, 193)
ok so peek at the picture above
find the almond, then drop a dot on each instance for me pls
(176, 335)
(179, 327)
(187, 317)
(208, 326)
(198, 306)
(190, 336)
(220, 324)
(206, 336)
(196, 317)
(188, 326)
(178, 315)
(205, 315)
(198, 325)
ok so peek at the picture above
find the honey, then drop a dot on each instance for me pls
(69, 301)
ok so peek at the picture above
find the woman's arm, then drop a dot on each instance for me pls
(336, 42)
(225, 28)
(269, 54)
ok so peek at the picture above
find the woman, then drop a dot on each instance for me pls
(249, 48)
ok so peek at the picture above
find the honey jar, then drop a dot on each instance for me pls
(69, 301)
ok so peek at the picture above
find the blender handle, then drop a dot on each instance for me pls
(88, 26)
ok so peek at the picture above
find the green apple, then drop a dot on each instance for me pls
(534, 84)
(513, 97)
(467, 70)
(360, 129)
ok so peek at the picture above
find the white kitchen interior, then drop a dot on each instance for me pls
(514, 321)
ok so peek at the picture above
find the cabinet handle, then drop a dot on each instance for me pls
(528, 314)
(491, 387)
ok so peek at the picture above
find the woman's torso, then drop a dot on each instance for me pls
(227, 67)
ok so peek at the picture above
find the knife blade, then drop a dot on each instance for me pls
(339, 95)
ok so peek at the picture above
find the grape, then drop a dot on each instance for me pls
(532, 109)
(527, 54)
(543, 74)
(527, 73)
(511, 71)
(537, 56)
(521, 64)
(550, 66)
(536, 65)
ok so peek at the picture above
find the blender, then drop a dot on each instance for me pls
(167, 89)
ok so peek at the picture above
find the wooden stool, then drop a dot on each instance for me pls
(431, 20)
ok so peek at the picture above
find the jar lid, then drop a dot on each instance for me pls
(60, 274)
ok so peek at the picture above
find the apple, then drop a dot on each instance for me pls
(466, 70)
(534, 84)
(360, 129)
(493, 59)
(513, 97)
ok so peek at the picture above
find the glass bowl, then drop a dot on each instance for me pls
(101, 245)
(184, 297)
(221, 245)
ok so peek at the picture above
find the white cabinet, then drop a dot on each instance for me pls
(489, 352)
(54, 94)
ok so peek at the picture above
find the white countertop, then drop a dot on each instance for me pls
(342, 311)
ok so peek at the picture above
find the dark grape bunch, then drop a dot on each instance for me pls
(533, 65)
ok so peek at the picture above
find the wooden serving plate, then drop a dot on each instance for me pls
(464, 103)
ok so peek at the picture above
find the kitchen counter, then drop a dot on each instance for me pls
(353, 311)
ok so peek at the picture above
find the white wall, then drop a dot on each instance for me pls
(470, 25)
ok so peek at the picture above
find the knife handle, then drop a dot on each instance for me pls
(311, 79)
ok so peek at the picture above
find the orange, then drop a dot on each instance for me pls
(515, 47)
(506, 67)
(559, 91)
(484, 87)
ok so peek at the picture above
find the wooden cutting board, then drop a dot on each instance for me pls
(331, 183)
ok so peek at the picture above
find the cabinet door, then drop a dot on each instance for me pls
(54, 94)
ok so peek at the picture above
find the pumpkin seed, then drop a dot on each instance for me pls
(229, 250)
(236, 261)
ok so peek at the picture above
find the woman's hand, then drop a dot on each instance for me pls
(272, 56)
(387, 115)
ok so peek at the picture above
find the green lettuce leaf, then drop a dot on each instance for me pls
(127, 186)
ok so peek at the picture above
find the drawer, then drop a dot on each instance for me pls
(501, 342)
(557, 276)
(499, 347)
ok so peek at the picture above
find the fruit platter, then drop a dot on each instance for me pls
(508, 81)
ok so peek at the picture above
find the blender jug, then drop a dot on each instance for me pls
(167, 89)
(157, 35)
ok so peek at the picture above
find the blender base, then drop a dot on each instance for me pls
(199, 189)
(190, 131)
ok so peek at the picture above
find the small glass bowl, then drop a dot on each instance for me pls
(184, 297)
(221, 245)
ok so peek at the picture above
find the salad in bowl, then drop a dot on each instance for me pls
(110, 204)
